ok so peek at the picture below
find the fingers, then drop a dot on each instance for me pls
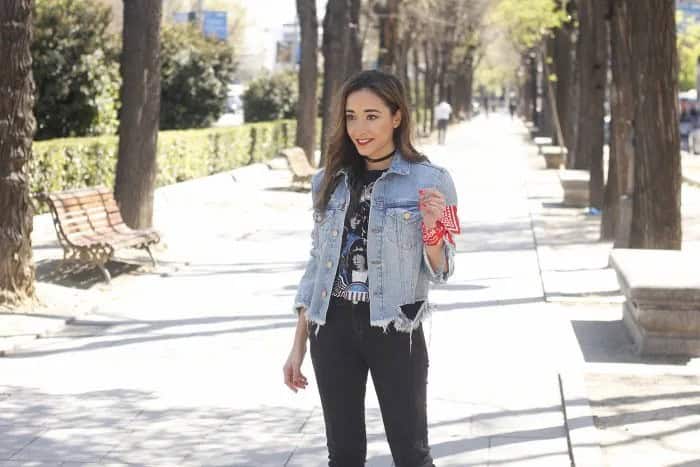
(288, 379)
(429, 195)
(299, 379)
(294, 379)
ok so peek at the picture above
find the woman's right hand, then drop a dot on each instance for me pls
(293, 377)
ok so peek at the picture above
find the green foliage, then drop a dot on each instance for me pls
(271, 97)
(75, 68)
(528, 20)
(62, 164)
(688, 41)
(195, 72)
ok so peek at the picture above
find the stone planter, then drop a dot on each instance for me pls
(541, 141)
(662, 307)
(575, 186)
(553, 156)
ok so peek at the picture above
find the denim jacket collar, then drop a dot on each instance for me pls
(399, 165)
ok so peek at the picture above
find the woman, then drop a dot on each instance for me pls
(407, 208)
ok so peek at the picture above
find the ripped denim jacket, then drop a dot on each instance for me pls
(398, 266)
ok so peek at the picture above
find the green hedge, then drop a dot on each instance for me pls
(62, 164)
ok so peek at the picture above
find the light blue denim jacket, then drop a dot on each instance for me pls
(398, 265)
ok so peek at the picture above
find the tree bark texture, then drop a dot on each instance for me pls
(388, 35)
(593, 48)
(17, 125)
(527, 93)
(140, 112)
(656, 204)
(308, 77)
(622, 124)
(336, 39)
(355, 42)
(548, 117)
(617, 210)
(563, 69)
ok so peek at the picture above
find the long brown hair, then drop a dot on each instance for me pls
(341, 152)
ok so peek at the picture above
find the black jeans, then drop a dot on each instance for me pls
(344, 350)
(442, 130)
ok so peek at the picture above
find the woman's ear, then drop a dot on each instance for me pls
(396, 119)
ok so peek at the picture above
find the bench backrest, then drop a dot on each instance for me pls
(85, 210)
(298, 162)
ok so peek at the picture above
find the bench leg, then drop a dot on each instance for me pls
(105, 273)
(150, 253)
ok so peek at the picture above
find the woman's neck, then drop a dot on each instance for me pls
(380, 165)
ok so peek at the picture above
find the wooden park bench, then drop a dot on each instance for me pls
(90, 227)
(662, 307)
(302, 171)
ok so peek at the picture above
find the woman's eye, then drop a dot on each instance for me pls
(349, 117)
(371, 117)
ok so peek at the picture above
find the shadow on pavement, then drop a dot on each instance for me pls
(609, 342)
(79, 276)
(142, 332)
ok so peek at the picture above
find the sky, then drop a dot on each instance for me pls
(273, 13)
(265, 20)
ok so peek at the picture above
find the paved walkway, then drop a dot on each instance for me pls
(182, 365)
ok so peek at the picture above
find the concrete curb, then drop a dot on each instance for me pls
(55, 307)
(583, 435)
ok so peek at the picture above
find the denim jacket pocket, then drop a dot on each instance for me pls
(405, 227)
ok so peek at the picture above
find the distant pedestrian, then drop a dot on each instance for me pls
(383, 223)
(485, 103)
(443, 111)
(511, 108)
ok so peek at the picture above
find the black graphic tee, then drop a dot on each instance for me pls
(351, 282)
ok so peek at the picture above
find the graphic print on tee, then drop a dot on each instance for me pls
(351, 282)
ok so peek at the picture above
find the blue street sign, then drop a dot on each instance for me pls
(215, 24)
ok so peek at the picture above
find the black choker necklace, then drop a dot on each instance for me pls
(369, 159)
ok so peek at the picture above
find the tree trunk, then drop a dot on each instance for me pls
(388, 35)
(416, 85)
(527, 93)
(547, 95)
(435, 62)
(563, 68)
(445, 51)
(574, 95)
(656, 205)
(308, 77)
(534, 91)
(335, 60)
(593, 59)
(355, 42)
(140, 112)
(611, 197)
(427, 93)
(617, 211)
(17, 125)
(469, 85)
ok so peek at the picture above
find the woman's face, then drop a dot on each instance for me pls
(370, 123)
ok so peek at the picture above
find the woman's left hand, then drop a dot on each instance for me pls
(431, 204)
